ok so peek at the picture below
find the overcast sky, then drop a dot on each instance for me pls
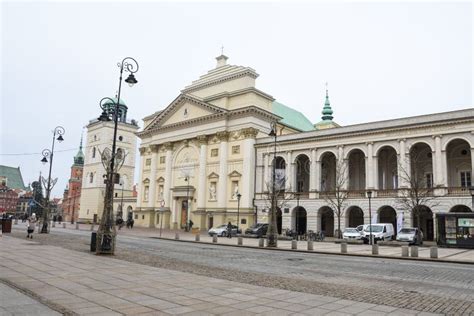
(382, 61)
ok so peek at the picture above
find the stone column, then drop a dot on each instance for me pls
(312, 171)
(344, 168)
(369, 170)
(140, 178)
(202, 189)
(168, 164)
(222, 197)
(317, 172)
(402, 165)
(152, 193)
(444, 169)
(247, 188)
(289, 172)
(472, 162)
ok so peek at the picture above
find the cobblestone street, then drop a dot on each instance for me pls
(423, 286)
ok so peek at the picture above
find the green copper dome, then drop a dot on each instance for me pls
(107, 101)
(79, 157)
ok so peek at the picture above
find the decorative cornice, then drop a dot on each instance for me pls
(236, 93)
(244, 72)
(167, 146)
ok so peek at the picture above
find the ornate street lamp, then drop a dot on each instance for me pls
(105, 242)
(238, 210)
(272, 225)
(49, 184)
(369, 196)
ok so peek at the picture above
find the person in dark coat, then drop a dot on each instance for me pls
(229, 230)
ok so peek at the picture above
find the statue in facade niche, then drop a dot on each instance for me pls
(212, 191)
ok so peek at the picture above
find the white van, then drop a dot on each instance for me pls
(379, 232)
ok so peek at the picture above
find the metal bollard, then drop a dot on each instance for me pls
(414, 251)
(176, 236)
(261, 242)
(16, 221)
(92, 227)
(64, 225)
(197, 237)
(375, 249)
(240, 241)
(214, 239)
(434, 252)
(310, 245)
(404, 251)
(77, 225)
(343, 247)
(54, 224)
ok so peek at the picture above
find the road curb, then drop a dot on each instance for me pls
(323, 252)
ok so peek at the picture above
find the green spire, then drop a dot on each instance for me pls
(79, 158)
(327, 111)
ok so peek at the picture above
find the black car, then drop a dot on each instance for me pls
(257, 230)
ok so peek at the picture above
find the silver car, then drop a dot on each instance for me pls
(351, 234)
(221, 231)
(410, 235)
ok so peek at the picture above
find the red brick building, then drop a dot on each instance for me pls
(8, 200)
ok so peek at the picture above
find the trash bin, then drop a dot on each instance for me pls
(6, 225)
(93, 241)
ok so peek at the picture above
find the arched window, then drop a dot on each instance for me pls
(93, 152)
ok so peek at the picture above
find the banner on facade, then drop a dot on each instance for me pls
(399, 222)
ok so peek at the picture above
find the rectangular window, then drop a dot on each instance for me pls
(143, 216)
(429, 180)
(136, 216)
(465, 179)
(146, 193)
(162, 159)
(214, 152)
(148, 162)
(236, 150)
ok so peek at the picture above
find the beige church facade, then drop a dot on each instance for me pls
(211, 145)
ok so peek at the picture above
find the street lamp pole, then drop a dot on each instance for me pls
(369, 196)
(471, 190)
(238, 210)
(297, 213)
(59, 130)
(187, 203)
(121, 201)
(272, 229)
(105, 241)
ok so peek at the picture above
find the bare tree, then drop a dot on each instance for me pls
(417, 191)
(336, 199)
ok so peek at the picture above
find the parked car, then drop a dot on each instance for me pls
(258, 230)
(411, 235)
(379, 232)
(361, 228)
(351, 234)
(221, 231)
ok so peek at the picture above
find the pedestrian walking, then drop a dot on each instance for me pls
(191, 225)
(131, 223)
(229, 230)
(31, 223)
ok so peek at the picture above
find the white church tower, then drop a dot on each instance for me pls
(99, 136)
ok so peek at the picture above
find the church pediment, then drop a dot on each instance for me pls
(184, 108)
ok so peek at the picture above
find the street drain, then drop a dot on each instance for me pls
(294, 259)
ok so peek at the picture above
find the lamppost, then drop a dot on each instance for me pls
(238, 210)
(272, 229)
(187, 203)
(369, 196)
(105, 241)
(297, 212)
(471, 190)
(59, 130)
(121, 199)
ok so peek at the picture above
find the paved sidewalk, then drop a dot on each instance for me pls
(444, 254)
(13, 302)
(87, 284)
